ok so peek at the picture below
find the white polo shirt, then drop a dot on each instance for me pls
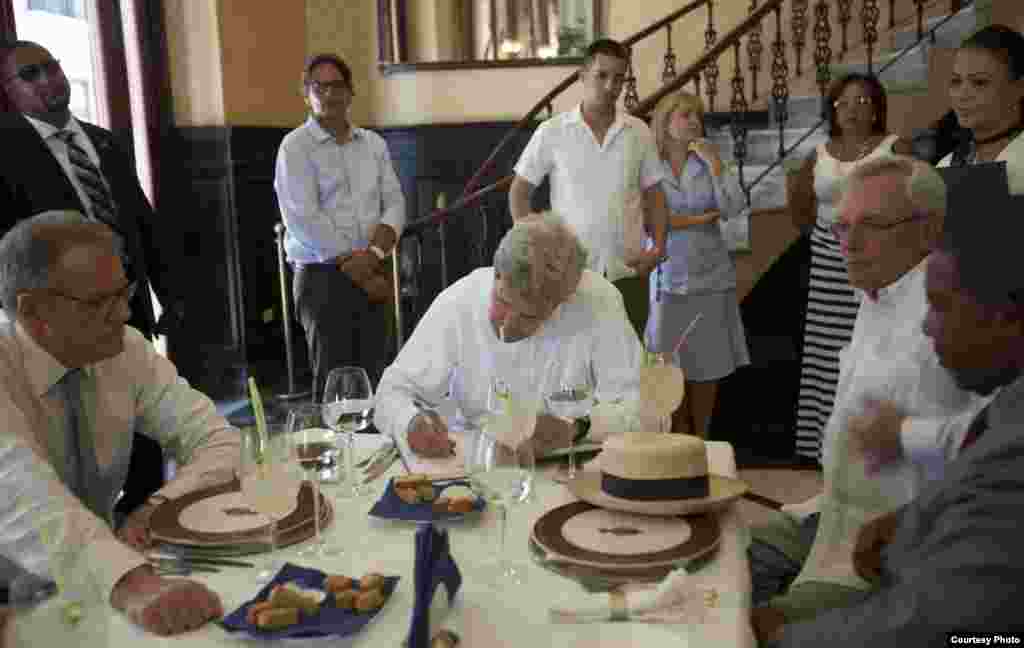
(591, 181)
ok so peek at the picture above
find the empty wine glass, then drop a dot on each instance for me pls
(270, 476)
(571, 399)
(348, 409)
(315, 450)
(49, 614)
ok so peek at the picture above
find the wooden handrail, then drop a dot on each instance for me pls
(561, 87)
(438, 216)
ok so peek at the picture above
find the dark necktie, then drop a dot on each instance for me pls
(975, 430)
(91, 179)
(71, 393)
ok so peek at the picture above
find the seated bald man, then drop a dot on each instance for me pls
(75, 385)
(533, 318)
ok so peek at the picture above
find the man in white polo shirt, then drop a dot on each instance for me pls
(599, 159)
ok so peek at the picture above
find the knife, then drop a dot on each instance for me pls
(199, 560)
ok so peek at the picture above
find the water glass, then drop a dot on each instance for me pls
(348, 409)
(270, 476)
(500, 467)
(571, 400)
(315, 451)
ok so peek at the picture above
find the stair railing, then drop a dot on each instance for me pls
(704, 74)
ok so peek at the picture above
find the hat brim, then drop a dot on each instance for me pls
(721, 492)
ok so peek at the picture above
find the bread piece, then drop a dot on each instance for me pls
(255, 609)
(408, 495)
(284, 596)
(337, 583)
(461, 504)
(346, 599)
(426, 492)
(276, 618)
(441, 505)
(370, 600)
(371, 581)
(411, 480)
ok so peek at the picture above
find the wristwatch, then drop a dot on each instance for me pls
(381, 254)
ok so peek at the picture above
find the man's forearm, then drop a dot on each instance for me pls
(519, 199)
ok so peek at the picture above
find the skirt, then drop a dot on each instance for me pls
(828, 326)
(715, 347)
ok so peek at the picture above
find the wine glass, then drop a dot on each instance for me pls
(270, 476)
(315, 451)
(571, 399)
(500, 466)
(348, 409)
(662, 386)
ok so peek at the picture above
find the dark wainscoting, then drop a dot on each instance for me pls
(219, 186)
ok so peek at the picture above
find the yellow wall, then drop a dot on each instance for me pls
(193, 47)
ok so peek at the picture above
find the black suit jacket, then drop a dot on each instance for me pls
(33, 181)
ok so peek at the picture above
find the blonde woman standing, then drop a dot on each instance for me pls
(698, 276)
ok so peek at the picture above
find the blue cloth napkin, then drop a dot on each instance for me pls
(329, 620)
(434, 565)
(391, 506)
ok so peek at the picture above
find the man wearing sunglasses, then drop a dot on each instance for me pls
(53, 161)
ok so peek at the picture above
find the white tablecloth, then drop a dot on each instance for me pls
(485, 618)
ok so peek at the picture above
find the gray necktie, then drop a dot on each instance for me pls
(81, 472)
(71, 392)
(91, 179)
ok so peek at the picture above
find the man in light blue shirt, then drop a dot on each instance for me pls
(344, 209)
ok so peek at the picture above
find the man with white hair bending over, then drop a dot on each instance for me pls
(535, 318)
(897, 413)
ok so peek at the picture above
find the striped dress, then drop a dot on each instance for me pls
(831, 305)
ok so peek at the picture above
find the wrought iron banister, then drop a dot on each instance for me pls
(751, 28)
(546, 102)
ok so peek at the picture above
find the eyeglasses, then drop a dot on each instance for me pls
(323, 87)
(842, 230)
(105, 303)
(33, 71)
(859, 101)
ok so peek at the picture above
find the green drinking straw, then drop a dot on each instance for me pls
(261, 418)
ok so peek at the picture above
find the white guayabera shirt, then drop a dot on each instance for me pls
(888, 358)
(455, 349)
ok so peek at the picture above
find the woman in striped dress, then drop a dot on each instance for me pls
(856, 109)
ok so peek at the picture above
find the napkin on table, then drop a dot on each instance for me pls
(434, 565)
(676, 600)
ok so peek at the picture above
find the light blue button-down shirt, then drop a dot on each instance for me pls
(332, 195)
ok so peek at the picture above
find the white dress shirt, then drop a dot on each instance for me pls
(591, 182)
(889, 358)
(137, 390)
(332, 195)
(455, 349)
(59, 148)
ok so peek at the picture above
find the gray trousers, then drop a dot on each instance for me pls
(777, 553)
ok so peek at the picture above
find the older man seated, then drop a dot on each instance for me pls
(891, 385)
(951, 562)
(75, 384)
(535, 318)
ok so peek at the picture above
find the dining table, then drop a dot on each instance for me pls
(482, 614)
